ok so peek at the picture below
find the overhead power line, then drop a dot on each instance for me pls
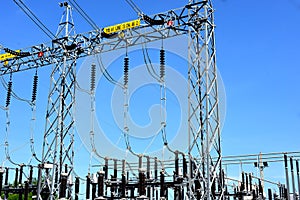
(134, 7)
(34, 18)
(83, 14)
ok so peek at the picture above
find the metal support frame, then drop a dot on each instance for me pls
(194, 20)
(203, 117)
(57, 155)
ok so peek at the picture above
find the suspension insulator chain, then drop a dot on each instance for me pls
(9, 89)
(126, 70)
(162, 64)
(93, 77)
(34, 87)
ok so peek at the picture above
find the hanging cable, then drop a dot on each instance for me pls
(7, 129)
(5, 85)
(163, 98)
(33, 116)
(149, 66)
(34, 18)
(92, 96)
(126, 104)
(134, 7)
(105, 72)
(83, 14)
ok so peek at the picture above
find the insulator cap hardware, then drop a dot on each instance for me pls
(9, 90)
(34, 87)
(162, 64)
(126, 70)
(93, 77)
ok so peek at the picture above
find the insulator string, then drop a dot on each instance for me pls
(8, 96)
(33, 116)
(93, 77)
(126, 71)
(34, 88)
(13, 94)
(162, 65)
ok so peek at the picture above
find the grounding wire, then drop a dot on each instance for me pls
(34, 18)
(83, 14)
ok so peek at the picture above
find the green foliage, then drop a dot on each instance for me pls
(13, 197)
(16, 196)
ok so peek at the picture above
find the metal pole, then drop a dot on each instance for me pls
(287, 176)
(77, 182)
(1, 179)
(298, 177)
(293, 178)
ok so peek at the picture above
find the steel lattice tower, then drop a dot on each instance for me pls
(203, 117)
(57, 156)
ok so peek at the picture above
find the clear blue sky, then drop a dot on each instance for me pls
(257, 56)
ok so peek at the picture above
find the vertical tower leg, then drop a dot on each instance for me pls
(203, 119)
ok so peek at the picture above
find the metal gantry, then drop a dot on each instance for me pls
(203, 117)
(194, 20)
(57, 156)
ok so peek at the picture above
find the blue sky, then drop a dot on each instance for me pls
(257, 56)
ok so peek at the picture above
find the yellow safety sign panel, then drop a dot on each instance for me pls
(6, 56)
(123, 26)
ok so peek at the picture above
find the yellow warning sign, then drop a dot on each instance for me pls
(6, 56)
(123, 26)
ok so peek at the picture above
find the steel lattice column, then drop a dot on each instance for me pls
(204, 122)
(57, 157)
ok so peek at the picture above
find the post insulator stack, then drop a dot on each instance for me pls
(34, 87)
(1, 179)
(9, 90)
(21, 175)
(6, 176)
(30, 174)
(77, 182)
(162, 64)
(93, 77)
(126, 70)
(16, 177)
(88, 183)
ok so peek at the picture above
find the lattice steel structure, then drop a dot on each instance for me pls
(203, 119)
(194, 20)
(57, 156)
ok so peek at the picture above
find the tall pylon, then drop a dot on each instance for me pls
(57, 157)
(203, 111)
